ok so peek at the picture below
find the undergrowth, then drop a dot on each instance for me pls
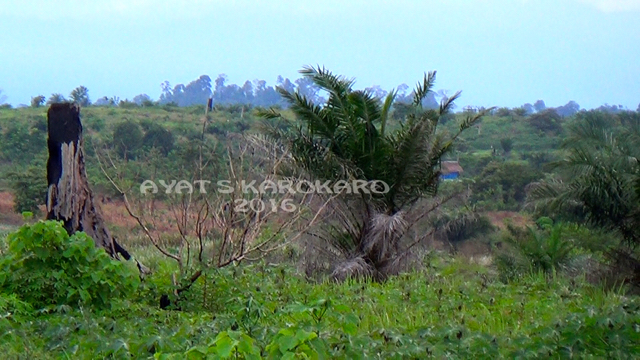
(268, 311)
(45, 267)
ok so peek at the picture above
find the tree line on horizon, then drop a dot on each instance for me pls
(258, 94)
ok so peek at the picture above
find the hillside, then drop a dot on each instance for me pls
(489, 279)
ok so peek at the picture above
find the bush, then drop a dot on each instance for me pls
(539, 159)
(474, 164)
(44, 266)
(547, 121)
(20, 142)
(157, 136)
(127, 139)
(507, 145)
(501, 185)
(29, 187)
(126, 104)
(533, 250)
(456, 228)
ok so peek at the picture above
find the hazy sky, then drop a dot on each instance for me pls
(504, 53)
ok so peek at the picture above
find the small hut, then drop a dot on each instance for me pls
(450, 170)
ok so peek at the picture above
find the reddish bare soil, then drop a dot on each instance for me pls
(115, 214)
(498, 218)
(7, 215)
(113, 211)
(122, 224)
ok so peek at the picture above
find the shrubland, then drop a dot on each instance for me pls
(450, 308)
(557, 278)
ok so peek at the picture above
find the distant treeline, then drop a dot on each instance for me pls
(258, 93)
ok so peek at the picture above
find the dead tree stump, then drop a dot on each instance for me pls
(69, 197)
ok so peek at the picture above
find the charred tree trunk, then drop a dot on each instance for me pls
(69, 197)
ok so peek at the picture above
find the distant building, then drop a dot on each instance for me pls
(450, 170)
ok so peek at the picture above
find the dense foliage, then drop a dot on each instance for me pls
(445, 311)
(43, 266)
(600, 175)
(348, 138)
(501, 185)
(29, 186)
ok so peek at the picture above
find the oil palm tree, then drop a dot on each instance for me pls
(348, 138)
(599, 182)
(599, 178)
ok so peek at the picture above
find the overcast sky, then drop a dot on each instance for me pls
(504, 53)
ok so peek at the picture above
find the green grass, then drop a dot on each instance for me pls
(5, 230)
(448, 310)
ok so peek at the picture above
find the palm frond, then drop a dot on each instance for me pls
(601, 170)
(423, 88)
(386, 109)
(383, 236)
(356, 268)
(269, 113)
(447, 104)
(471, 120)
(337, 85)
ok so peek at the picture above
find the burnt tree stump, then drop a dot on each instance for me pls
(69, 198)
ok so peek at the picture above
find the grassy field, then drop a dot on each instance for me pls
(450, 309)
